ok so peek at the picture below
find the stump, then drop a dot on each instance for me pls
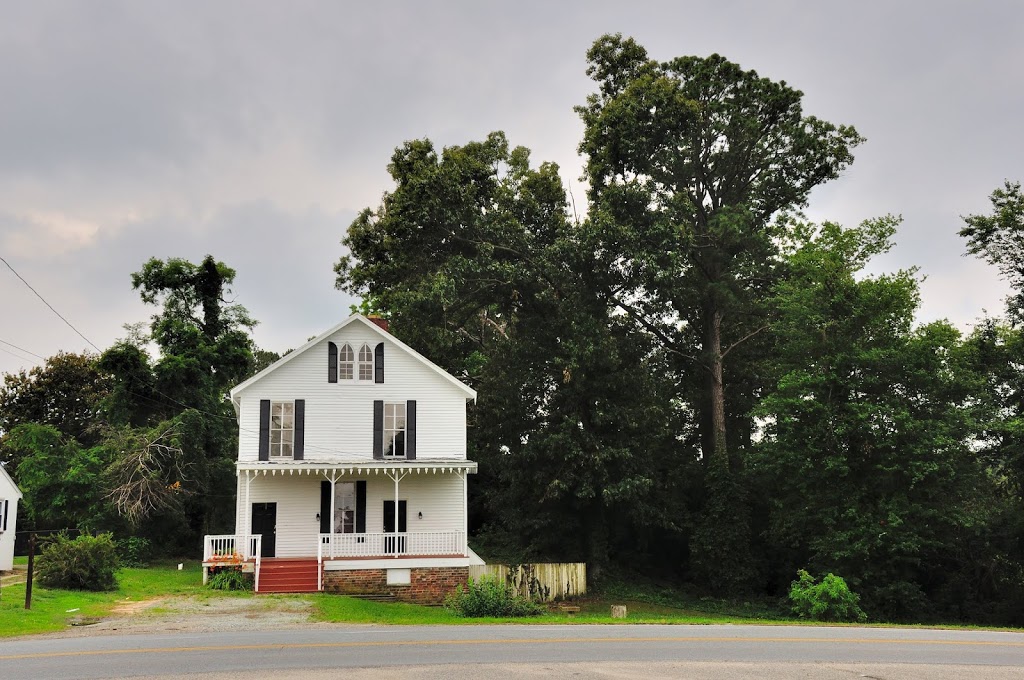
(618, 611)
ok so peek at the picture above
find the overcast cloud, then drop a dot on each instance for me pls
(255, 131)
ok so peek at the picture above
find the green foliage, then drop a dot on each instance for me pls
(865, 464)
(490, 597)
(474, 261)
(60, 479)
(830, 600)
(65, 393)
(998, 238)
(229, 578)
(134, 551)
(722, 536)
(84, 563)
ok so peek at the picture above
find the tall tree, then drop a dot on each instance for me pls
(205, 348)
(475, 262)
(688, 161)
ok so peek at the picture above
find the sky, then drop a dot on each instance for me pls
(256, 131)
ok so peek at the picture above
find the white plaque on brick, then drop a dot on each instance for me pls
(399, 577)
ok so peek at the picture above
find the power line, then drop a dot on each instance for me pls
(49, 305)
(21, 349)
(134, 394)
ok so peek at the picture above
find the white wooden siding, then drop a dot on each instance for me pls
(438, 496)
(10, 492)
(339, 416)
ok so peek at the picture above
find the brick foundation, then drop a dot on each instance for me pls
(428, 585)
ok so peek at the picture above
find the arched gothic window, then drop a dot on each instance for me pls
(346, 359)
(365, 363)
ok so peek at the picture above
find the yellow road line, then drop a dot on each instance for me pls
(400, 643)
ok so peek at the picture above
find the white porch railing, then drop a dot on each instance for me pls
(418, 543)
(230, 550)
(227, 548)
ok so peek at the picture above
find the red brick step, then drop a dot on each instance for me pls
(288, 576)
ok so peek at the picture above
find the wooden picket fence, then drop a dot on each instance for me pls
(542, 581)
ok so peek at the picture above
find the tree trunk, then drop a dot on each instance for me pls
(716, 388)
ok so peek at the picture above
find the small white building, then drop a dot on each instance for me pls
(352, 470)
(10, 494)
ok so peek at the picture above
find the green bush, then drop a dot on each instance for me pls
(230, 578)
(134, 551)
(830, 600)
(490, 597)
(85, 563)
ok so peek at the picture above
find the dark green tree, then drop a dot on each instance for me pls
(998, 238)
(65, 392)
(205, 349)
(865, 459)
(61, 480)
(688, 162)
(474, 261)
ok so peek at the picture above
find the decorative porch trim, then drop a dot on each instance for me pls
(388, 468)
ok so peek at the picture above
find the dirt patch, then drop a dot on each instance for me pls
(190, 614)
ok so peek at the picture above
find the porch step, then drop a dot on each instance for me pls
(375, 597)
(288, 576)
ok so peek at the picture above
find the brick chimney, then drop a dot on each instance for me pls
(383, 323)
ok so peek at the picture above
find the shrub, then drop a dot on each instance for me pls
(490, 597)
(830, 600)
(228, 578)
(85, 563)
(134, 551)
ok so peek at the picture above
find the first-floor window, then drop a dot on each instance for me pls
(345, 508)
(282, 429)
(394, 430)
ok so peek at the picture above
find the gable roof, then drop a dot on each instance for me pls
(4, 474)
(355, 318)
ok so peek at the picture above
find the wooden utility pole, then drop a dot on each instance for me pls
(28, 583)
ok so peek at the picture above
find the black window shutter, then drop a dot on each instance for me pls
(325, 507)
(378, 363)
(300, 429)
(264, 429)
(7, 505)
(378, 429)
(332, 362)
(361, 507)
(410, 429)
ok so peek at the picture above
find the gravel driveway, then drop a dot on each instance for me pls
(198, 615)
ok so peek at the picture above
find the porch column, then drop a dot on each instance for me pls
(396, 475)
(465, 512)
(394, 546)
(247, 512)
(330, 517)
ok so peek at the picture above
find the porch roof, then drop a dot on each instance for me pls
(361, 467)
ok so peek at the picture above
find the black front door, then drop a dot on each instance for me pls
(389, 527)
(264, 523)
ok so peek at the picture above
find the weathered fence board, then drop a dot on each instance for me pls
(545, 581)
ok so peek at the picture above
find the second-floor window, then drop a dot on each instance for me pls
(282, 429)
(394, 430)
(365, 363)
(346, 362)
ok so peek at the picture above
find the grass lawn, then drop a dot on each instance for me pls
(54, 609)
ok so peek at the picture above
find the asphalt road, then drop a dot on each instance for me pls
(525, 651)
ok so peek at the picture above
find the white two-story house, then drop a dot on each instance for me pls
(352, 470)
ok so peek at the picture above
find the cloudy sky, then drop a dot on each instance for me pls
(255, 131)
